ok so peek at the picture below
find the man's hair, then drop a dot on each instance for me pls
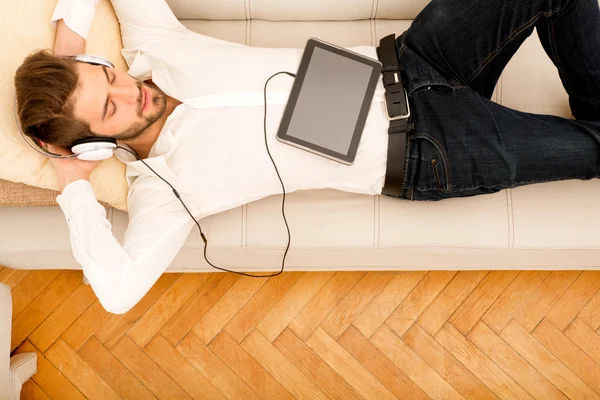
(44, 86)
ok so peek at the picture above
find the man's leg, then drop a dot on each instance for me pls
(466, 145)
(473, 40)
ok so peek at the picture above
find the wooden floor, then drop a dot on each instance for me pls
(351, 335)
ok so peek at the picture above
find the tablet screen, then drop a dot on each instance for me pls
(330, 101)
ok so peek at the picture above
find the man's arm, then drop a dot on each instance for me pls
(140, 20)
(67, 42)
(121, 275)
(73, 20)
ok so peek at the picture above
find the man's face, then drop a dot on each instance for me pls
(115, 104)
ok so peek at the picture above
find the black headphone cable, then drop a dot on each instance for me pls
(282, 202)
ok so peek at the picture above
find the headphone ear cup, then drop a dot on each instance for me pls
(94, 149)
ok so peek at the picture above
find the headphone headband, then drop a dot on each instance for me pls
(90, 59)
(95, 148)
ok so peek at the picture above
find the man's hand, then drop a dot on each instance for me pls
(69, 169)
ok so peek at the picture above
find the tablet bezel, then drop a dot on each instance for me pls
(282, 135)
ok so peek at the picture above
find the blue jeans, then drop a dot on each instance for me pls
(464, 144)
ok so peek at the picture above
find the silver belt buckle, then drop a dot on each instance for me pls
(407, 105)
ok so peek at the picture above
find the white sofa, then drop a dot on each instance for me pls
(543, 226)
(13, 371)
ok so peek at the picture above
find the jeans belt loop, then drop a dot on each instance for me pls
(398, 113)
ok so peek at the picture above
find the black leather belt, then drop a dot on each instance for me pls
(398, 113)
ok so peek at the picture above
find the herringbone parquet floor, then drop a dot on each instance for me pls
(344, 335)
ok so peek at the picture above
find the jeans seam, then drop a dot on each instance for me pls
(406, 162)
(437, 175)
(489, 58)
(558, 63)
(519, 183)
(402, 48)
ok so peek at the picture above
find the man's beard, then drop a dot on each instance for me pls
(159, 99)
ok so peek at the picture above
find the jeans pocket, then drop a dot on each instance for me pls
(434, 172)
(437, 88)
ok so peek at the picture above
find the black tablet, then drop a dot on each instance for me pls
(330, 100)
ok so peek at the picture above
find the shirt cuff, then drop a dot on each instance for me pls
(77, 14)
(75, 196)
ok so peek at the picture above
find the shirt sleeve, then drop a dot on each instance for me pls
(145, 20)
(121, 275)
(140, 20)
(77, 14)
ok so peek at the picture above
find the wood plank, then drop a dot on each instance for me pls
(180, 370)
(412, 365)
(541, 301)
(503, 309)
(584, 337)
(247, 368)
(545, 362)
(591, 312)
(165, 307)
(62, 317)
(292, 303)
(380, 366)
(571, 355)
(280, 367)
(30, 287)
(226, 307)
(355, 302)
(85, 326)
(146, 370)
(79, 372)
(43, 305)
(116, 326)
(449, 299)
(205, 361)
(260, 304)
(480, 299)
(418, 300)
(324, 301)
(479, 364)
(31, 391)
(574, 300)
(52, 381)
(512, 363)
(387, 301)
(445, 364)
(344, 364)
(182, 322)
(12, 277)
(123, 382)
(313, 367)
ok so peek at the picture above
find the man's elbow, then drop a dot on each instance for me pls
(117, 305)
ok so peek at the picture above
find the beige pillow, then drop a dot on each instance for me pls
(26, 28)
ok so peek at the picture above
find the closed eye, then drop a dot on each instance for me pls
(114, 77)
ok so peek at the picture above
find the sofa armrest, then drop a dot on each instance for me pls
(5, 327)
(22, 367)
(13, 371)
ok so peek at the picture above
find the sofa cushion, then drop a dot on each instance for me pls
(362, 23)
(26, 28)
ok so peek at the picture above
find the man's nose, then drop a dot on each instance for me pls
(129, 94)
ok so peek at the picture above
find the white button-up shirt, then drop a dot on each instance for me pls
(211, 148)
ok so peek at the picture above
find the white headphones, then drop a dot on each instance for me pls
(89, 149)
